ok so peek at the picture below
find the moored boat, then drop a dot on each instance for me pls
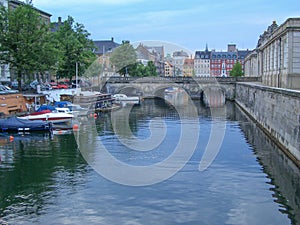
(123, 97)
(23, 124)
(54, 117)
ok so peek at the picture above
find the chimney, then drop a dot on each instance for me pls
(231, 48)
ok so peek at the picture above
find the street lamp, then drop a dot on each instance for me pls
(76, 76)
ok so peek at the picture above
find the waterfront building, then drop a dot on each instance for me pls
(178, 61)
(278, 55)
(218, 63)
(6, 74)
(251, 64)
(202, 63)
(221, 63)
(169, 69)
(188, 67)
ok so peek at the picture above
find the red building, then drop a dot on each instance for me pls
(221, 63)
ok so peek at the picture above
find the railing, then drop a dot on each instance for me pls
(182, 79)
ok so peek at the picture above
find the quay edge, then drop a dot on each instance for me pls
(276, 111)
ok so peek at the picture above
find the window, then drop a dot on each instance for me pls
(2, 72)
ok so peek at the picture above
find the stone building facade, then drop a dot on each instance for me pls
(251, 65)
(278, 55)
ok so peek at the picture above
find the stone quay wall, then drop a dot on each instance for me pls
(276, 111)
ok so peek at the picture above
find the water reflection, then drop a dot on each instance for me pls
(28, 173)
(284, 175)
(46, 181)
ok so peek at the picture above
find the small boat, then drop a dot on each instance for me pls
(53, 116)
(123, 97)
(22, 124)
(109, 108)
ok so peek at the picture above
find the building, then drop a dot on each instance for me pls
(188, 67)
(43, 15)
(202, 63)
(103, 50)
(278, 55)
(151, 53)
(178, 61)
(251, 65)
(169, 69)
(144, 55)
(221, 63)
(56, 25)
(5, 71)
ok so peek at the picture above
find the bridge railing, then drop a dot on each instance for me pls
(182, 79)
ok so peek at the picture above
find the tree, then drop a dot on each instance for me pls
(124, 58)
(25, 41)
(237, 70)
(152, 69)
(74, 48)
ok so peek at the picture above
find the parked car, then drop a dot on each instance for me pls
(63, 85)
(6, 89)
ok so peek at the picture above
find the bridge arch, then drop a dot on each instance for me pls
(210, 89)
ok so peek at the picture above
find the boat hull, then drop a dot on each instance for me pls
(15, 124)
(51, 117)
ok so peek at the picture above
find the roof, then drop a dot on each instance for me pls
(242, 54)
(180, 54)
(105, 46)
(202, 54)
(55, 25)
(224, 55)
(17, 3)
(189, 62)
(159, 50)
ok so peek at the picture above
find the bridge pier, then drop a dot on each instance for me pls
(214, 97)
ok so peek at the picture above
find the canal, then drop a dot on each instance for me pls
(70, 179)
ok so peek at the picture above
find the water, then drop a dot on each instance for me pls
(48, 181)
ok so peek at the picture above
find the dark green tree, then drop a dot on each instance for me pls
(75, 47)
(25, 41)
(152, 69)
(237, 70)
(124, 58)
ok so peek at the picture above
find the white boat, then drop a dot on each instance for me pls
(77, 110)
(54, 117)
(123, 97)
(74, 109)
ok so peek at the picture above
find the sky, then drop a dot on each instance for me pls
(188, 24)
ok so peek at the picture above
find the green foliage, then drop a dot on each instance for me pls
(139, 70)
(152, 69)
(237, 70)
(124, 58)
(25, 41)
(74, 46)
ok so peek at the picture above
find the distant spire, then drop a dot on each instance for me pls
(206, 48)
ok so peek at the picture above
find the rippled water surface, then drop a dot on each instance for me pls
(47, 180)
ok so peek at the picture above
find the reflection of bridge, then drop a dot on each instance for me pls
(214, 91)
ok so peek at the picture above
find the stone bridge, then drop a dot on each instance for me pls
(213, 90)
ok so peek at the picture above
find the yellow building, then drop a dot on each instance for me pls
(188, 67)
